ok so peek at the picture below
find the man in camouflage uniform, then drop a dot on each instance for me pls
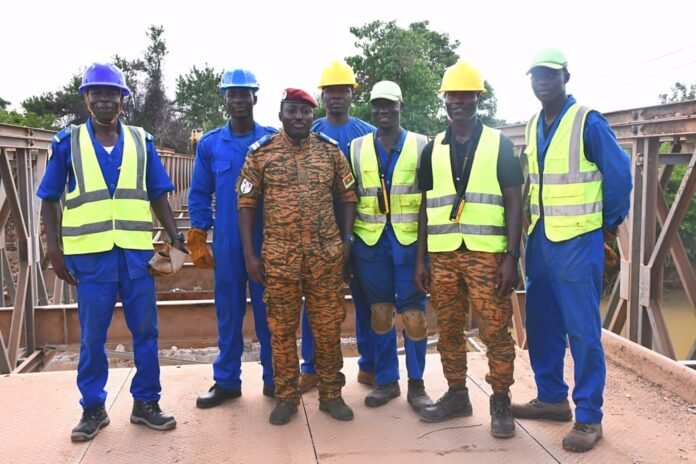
(470, 224)
(299, 176)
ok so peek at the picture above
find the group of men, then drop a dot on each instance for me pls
(302, 211)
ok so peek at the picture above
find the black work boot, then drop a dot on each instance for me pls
(283, 412)
(417, 397)
(537, 409)
(150, 415)
(91, 422)
(269, 391)
(382, 395)
(215, 396)
(583, 437)
(454, 403)
(502, 423)
(338, 409)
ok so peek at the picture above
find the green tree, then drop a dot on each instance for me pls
(416, 58)
(678, 93)
(198, 100)
(64, 106)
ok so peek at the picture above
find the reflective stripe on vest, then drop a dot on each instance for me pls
(482, 223)
(92, 220)
(570, 186)
(404, 196)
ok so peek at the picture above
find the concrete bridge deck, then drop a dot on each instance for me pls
(644, 423)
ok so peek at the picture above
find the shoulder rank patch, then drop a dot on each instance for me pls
(148, 136)
(348, 181)
(260, 142)
(63, 133)
(245, 187)
(326, 138)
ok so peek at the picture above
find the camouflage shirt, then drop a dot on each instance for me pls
(299, 182)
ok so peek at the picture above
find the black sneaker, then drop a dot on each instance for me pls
(91, 422)
(502, 423)
(454, 403)
(150, 415)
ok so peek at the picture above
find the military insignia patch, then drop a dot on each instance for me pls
(348, 181)
(245, 187)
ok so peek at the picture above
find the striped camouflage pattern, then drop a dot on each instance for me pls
(302, 251)
(463, 279)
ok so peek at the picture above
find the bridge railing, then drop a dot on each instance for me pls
(24, 153)
(636, 298)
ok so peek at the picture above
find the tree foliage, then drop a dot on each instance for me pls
(198, 100)
(414, 57)
(678, 93)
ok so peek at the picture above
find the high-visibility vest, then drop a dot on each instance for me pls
(404, 195)
(570, 186)
(93, 221)
(482, 222)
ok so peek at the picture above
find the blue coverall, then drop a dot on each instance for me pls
(219, 158)
(101, 276)
(386, 273)
(344, 134)
(564, 280)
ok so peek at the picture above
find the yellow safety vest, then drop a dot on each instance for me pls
(482, 223)
(93, 221)
(570, 186)
(404, 196)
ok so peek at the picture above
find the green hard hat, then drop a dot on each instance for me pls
(549, 58)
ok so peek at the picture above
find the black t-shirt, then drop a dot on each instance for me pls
(509, 168)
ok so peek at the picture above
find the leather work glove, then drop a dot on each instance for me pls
(167, 262)
(611, 259)
(201, 255)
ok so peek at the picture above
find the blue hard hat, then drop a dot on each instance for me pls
(105, 74)
(238, 77)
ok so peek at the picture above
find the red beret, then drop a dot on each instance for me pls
(300, 96)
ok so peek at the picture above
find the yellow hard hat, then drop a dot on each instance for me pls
(337, 73)
(462, 77)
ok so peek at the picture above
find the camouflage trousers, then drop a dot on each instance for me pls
(463, 279)
(320, 281)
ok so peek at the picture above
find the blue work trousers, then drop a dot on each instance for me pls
(564, 285)
(363, 333)
(385, 271)
(230, 306)
(95, 307)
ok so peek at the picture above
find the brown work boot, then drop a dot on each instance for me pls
(583, 437)
(367, 378)
(537, 409)
(307, 381)
(338, 409)
(502, 423)
(417, 396)
(382, 395)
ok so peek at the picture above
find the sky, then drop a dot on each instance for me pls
(620, 55)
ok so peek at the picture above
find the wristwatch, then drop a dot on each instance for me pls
(348, 237)
(179, 238)
(514, 253)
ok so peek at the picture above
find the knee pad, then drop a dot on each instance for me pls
(382, 319)
(415, 325)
